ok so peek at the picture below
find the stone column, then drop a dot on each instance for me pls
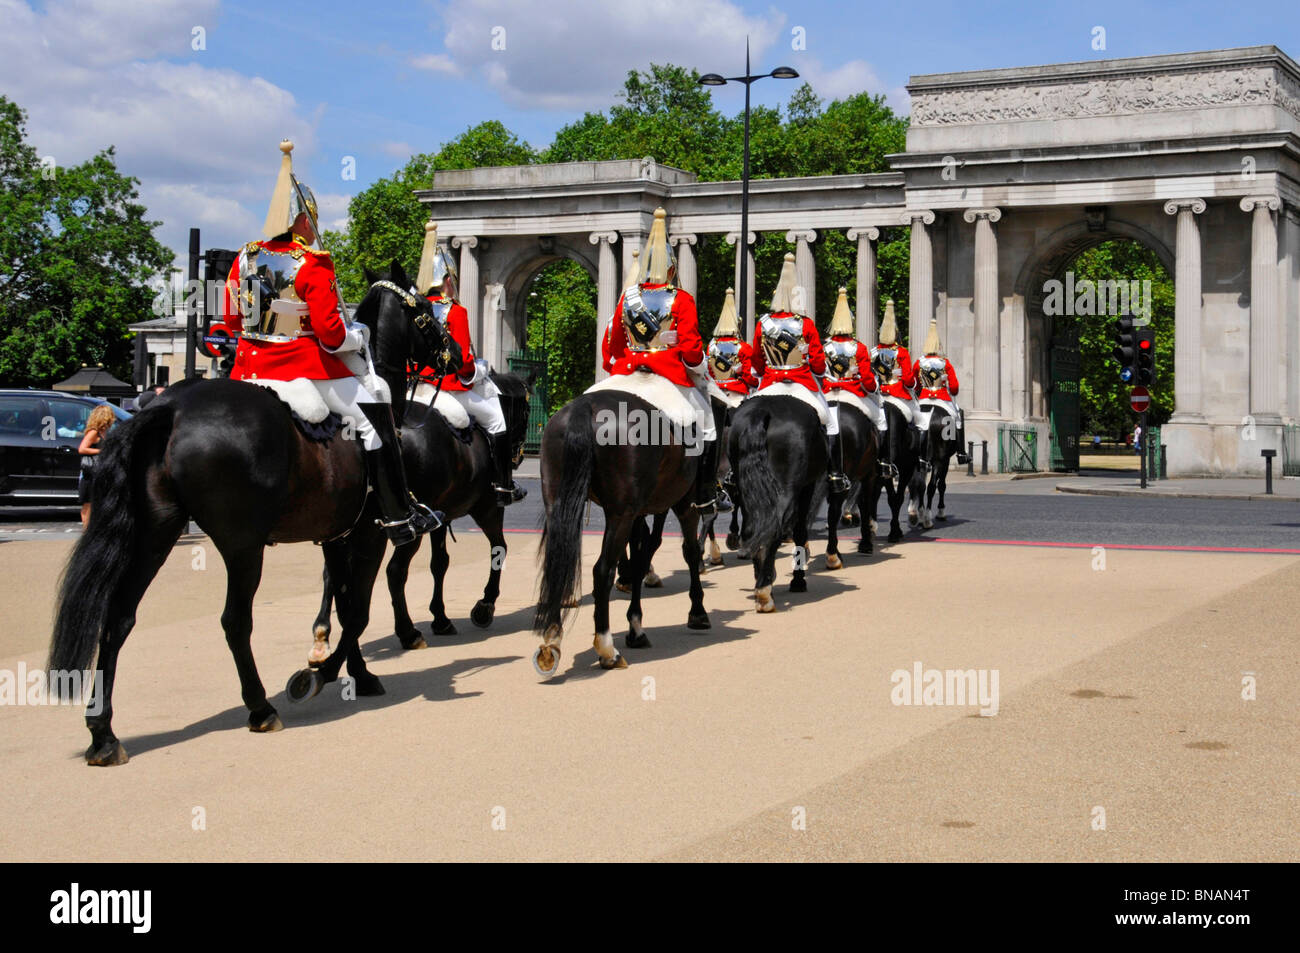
(606, 289)
(1188, 402)
(805, 269)
(988, 324)
(868, 287)
(684, 248)
(920, 285)
(470, 292)
(1264, 339)
(748, 302)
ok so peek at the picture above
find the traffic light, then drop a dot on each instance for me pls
(1126, 349)
(1146, 357)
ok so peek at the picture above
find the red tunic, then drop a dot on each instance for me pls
(941, 393)
(303, 356)
(865, 382)
(606, 361)
(743, 381)
(816, 363)
(670, 362)
(458, 330)
(902, 389)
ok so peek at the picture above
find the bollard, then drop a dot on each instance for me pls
(984, 464)
(970, 458)
(1164, 461)
(1268, 456)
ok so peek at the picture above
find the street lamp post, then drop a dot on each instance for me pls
(714, 79)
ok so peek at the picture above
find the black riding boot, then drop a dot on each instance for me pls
(507, 490)
(962, 456)
(403, 517)
(839, 483)
(706, 479)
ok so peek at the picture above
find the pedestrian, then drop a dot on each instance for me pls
(99, 423)
(1137, 438)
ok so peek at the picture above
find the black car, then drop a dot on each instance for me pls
(39, 435)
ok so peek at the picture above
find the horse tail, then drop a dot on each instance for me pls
(561, 545)
(92, 582)
(765, 508)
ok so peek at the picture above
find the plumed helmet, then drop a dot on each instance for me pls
(888, 326)
(933, 346)
(657, 265)
(437, 270)
(784, 298)
(728, 325)
(842, 320)
(290, 199)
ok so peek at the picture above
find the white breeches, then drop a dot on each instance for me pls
(484, 411)
(832, 415)
(910, 408)
(703, 413)
(344, 396)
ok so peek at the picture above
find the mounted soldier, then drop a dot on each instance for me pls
(471, 384)
(788, 348)
(282, 297)
(937, 383)
(848, 368)
(656, 330)
(896, 374)
(730, 356)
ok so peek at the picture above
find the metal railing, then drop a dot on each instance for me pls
(523, 362)
(1017, 450)
(1291, 450)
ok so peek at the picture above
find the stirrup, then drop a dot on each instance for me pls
(724, 501)
(839, 482)
(963, 457)
(888, 470)
(705, 507)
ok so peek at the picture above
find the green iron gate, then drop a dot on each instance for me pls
(1291, 450)
(1017, 450)
(1066, 418)
(525, 362)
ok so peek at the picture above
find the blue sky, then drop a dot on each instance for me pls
(375, 81)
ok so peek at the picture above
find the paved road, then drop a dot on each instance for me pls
(990, 509)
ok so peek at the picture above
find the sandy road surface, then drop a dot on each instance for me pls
(1099, 706)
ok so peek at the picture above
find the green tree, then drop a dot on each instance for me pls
(77, 257)
(562, 323)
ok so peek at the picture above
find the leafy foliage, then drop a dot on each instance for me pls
(77, 257)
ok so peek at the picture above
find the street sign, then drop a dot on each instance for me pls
(1139, 399)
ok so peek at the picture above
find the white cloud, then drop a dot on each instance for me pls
(332, 210)
(849, 79)
(574, 56)
(436, 63)
(201, 140)
(396, 149)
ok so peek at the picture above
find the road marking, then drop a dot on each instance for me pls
(1137, 546)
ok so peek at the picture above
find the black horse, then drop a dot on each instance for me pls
(722, 416)
(228, 455)
(861, 443)
(900, 457)
(628, 481)
(778, 449)
(938, 444)
(452, 474)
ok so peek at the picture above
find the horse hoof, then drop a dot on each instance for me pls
(652, 580)
(107, 755)
(616, 662)
(864, 547)
(895, 535)
(912, 519)
(622, 586)
(482, 613)
(833, 561)
(546, 660)
(266, 723)
(716, 560)
(636, 640)
(446, 627)
(303, 685)
(763, 599)
(733, 541)
(700, 621)
(941, 515)
(320, 648)
(798, 585)
(412, 640)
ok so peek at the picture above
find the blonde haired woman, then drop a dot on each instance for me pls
(99, 423)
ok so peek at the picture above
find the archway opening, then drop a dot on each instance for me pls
(560, 329)
(1089, 407)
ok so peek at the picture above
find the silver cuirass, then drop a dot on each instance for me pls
(270, 304)
(841, 359)
(442, 310)
(647, 314)
(724, 358)
(933, 373)
(884, 361)
(781, 340)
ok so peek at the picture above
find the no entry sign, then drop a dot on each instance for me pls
(1139, 399)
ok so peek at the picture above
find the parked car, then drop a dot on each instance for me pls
(39, 435)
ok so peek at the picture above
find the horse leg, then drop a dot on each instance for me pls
(737, 521)
(617, 533)
(764, 576)
(492, 522)
(652, 580)
(802, 505)
(877, 485)
(243, 576)
(439, 560)
(356, 562)
(398, 571)
(105, 750)
(866, 489)
(320, 629)
(941, 478)
(697, 617)
(638, 558)
(834, 506)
